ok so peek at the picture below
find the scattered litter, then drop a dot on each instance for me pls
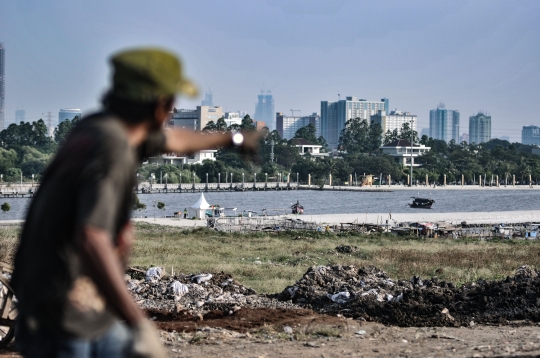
(201, 278)
(153, 274)
(178, 289)
(341, 297)
(288, 330)
(360, 332)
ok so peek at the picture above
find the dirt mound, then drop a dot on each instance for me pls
(368, 293)
(197, 293)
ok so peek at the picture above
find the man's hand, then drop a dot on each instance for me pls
(146, 342)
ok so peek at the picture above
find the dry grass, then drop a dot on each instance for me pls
(9, 239)
(284, 258)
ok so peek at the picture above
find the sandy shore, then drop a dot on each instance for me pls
(493, 217)
(421, 187)
(426, 215)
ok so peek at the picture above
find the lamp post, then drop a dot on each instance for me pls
(412, 140)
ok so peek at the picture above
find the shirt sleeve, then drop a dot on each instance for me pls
(154, 145)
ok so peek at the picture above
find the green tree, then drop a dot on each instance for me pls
(63, 129)
(5, 207)
(354, 137)
(308, 133)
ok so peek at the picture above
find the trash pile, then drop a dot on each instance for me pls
(154, 290)
(368, 293)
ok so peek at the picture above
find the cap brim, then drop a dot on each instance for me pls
(188, 88)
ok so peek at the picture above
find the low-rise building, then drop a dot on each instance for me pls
(401, 151)
(195, 119)
(306, 147)
(179, 159)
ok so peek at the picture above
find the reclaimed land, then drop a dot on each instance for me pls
(268, 262)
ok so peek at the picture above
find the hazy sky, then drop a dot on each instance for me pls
(471, 55)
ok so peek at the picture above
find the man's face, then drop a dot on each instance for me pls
(162, 114)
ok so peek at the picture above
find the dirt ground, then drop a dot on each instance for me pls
(262, 333)
(304, 333)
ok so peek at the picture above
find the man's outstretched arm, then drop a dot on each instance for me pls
(186, 141)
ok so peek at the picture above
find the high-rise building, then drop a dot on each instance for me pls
(465, 138)
(195, 119)
(479, 128)
(20, 115)
(67, 114)
(530, 135)
(2, 86)
(264, 110)
(208, 101)
(444, 124)
(288, 125)
(334, 115)
(394, 120)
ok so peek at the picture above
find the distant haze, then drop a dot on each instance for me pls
(471, 55)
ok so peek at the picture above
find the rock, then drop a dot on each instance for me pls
(288, 330)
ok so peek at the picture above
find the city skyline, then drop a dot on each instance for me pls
(471, 55)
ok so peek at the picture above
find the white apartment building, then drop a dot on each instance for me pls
(232, 118)
(394, 120)
(334, 115)
(288, 125)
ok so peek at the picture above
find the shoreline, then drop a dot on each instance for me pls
(423, 215)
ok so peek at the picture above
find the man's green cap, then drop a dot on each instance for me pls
(144, 74)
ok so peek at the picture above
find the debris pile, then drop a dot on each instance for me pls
(194, 294)
(368, 293)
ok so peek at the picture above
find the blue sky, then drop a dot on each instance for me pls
(471, 55)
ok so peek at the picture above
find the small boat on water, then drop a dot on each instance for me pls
(297, 208)
(421, 203)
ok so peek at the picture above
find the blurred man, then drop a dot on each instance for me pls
(69, 269)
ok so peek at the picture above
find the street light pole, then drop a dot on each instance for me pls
(412, 140)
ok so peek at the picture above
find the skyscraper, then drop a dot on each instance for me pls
(287, 126)
(20, 115)
(444, 124)
(67, 114)
(2, 88)
(334, 115)
(264, 110)
(208, 101)
(479, 128)
(530, 135)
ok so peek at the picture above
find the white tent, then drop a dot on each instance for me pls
(198, 210)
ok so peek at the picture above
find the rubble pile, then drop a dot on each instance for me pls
(194, 294)
(368, 293)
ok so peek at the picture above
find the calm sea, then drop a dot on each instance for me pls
(330, 202)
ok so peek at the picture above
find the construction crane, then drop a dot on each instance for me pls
(294, 110)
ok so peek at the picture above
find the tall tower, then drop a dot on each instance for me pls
(264, 110)
(208, 100)
(2, 86)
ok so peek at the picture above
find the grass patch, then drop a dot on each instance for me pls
(268, 262)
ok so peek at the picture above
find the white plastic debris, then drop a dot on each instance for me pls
(257, 262)
(370, 292)
(287, 330)
(227, 282)
(399, 297)
(201, 278)
(154, 274)
(389, 297)
(340, 297)
(132, 284)
(292, 291)
(178, 289)
(360, 332)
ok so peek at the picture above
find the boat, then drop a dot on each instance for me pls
(421, 203)
(297, 208)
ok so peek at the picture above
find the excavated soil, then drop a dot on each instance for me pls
(369, 294)
(244, 320)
